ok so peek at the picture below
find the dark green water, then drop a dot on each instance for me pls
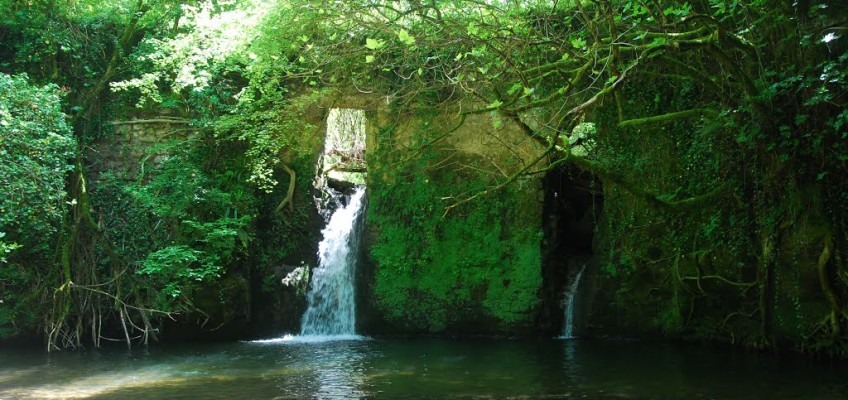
(417, 368)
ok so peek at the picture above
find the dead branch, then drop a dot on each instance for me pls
(289, 199)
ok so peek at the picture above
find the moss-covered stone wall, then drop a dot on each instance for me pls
(709, 240)
(248, 299)
(436, 264)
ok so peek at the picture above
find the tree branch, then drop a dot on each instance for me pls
(667, 117)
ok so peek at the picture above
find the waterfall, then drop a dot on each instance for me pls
(568, 326)
(331, 303)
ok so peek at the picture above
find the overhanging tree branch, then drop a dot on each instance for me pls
(656, 119)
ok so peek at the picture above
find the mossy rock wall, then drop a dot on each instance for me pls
(471, 269)
(739, 264)
(646, 282)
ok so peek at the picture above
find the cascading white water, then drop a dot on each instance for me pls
(331, 302)
(568, 327)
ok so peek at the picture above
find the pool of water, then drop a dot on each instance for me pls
(423, 368)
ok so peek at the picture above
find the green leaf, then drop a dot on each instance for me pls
(514, 88)
(374, 44)
(405, 37)
(495, 104)
(369, 58)
(578, 43)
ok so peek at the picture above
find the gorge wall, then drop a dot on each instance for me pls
(450, 251)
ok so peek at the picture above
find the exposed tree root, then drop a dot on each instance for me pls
(827, 286)
(79, 308)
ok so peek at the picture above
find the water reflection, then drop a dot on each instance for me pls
(322, 369)
(341, 372)
(570, 362)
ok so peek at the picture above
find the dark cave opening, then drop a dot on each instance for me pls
(572, 203)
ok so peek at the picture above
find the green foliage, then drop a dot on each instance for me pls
(6, 248)
(199, 199)
(271, 128)
(229, 82)
(177, 266)
(748, 150)
(178, 270)
(208, 229)
(36, 146)
(194, 65)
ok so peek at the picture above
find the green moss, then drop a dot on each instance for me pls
(479, 263)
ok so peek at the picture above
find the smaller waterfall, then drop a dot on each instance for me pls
(570, 294)
(331, 302)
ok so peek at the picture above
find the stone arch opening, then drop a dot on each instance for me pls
(342, 162)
